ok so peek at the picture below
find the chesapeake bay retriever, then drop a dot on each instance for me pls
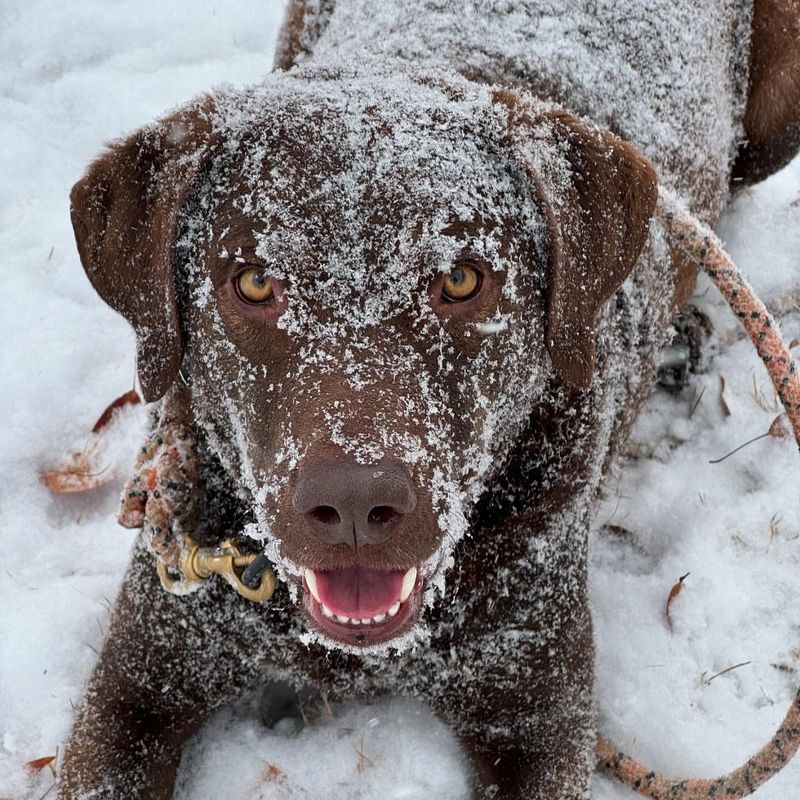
(414, 288)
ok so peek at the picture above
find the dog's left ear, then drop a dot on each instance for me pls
(125, 213)
(597, 194)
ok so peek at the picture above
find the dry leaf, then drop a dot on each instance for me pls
(364, 760)
(79, 474)
(39, 763)
(673, 593)
(779, 428)
(130, 398)
(273, 773)
(726, 412)
(616, 530)
(794, 343)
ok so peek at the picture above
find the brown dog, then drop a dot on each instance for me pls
(417, 307)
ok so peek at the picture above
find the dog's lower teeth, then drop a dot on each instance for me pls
(326, 611)
(378, 618)
(393, 610)
(343, 620)
(365, 621)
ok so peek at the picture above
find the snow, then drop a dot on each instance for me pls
(73, 78)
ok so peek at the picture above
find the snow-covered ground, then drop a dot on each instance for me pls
(74, 75)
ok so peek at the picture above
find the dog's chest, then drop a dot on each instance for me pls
(670, 75)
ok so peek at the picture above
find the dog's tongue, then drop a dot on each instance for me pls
(359, 592)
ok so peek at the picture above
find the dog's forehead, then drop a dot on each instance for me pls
(369, 154)
(382, 180)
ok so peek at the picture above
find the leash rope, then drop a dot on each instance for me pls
(702, 244)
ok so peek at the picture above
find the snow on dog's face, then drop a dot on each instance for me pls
(366, 313)
(363, 261)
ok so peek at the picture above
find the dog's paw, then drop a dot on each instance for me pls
(160, 497)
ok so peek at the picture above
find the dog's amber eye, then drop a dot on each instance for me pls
(460, 284)
(254, 286)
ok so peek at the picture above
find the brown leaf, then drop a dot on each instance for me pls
(616, 530)
(273, 773)
(364, 760)
(130, 398)
(794, 343)
(779, 428)
(77, 475)
(80, 473)
(673, 593)
(726, 411)
(39, 763)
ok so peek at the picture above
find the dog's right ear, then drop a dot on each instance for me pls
(125, 214)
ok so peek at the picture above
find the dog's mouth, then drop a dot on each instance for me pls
(360, 606)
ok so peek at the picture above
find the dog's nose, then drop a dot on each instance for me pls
(352, 503)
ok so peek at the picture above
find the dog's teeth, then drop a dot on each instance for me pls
(409, 579)
(311, 582)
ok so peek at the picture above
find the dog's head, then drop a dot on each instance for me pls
(374, 279)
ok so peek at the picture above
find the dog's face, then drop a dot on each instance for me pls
(372, 281)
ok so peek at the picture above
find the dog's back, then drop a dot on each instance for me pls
(670, 75)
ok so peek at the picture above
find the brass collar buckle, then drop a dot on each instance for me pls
(248, 573)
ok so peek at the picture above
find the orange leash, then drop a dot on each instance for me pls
(700, 242)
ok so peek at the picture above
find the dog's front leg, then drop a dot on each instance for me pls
(167, 663)
(532, 737)
(519, 683)
(121, 747)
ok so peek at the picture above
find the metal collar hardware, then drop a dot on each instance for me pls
(248, 573)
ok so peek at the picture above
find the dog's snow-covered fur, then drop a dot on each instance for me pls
(403, 139)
